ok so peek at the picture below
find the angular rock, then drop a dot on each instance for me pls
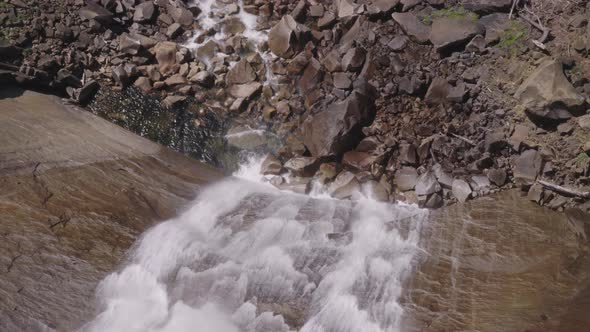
(480, 183)
(448, 33)
(353, 59)
(495, 25)
(327, 172)
(204, 79)
(181, 15)
(312, 76)
(361, 161)
(245, 91)
(241, 73)
(398, 43)
(302, 166)
(375, 190)
(497, 176)
(174, 30)
(284, 37)
(346, 185)
(427, 184)
(412, 26)
(495, 141)
(128, 45)
(461, 190)
(342, 81)
(528, 165)
(434, 201)
(271, 166)
(548, 94)
(94, 11)
(144, 12)
(144, 84)
(337, 129)
(382, 7)
(438, 91)
(487, 6)
(165, 53)
(405, 178)
(172, 101)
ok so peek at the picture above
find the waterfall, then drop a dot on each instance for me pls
(248, 257)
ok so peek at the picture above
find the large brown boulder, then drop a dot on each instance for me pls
(548, 94)
(286, 37)
(337, 129)
(448, 33)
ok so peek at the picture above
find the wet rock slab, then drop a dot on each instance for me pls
(76, 192)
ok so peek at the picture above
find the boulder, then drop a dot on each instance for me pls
(286, 37)
(338, 128)
(94, 11)
(181, 15)
(204, 79)
(495, 25)
(438, 91)
(448, 33)
(480, 183)
(461, 190)
(144, 12)
(413, 26)
(527, 166)
(346, 185)
(172, 101)
(241, 73)
(361, 161)
(312, 76)
(165, 53)
(341, 81)
(548, 94)
(497, 176)
(405, 178)
(487, 6)
(302, 166)
(246, 91)
(271, 166)
(353, 59)
(427, 184)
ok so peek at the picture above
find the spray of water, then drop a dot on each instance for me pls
(248, 257)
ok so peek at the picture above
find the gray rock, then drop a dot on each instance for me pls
(144, 12)
(327, 172)
(271, 166)
(495, 25)
(353, 59)
(495, 141)
(480, 183)
(405, 178)
(528, 165)
(427, 184)
(174, 30)
(535, 193)
(382, 7)
(412, 26)
(345, 186)
(94, 11)
(144, 84)
(461, 190)
(361, 161)
(437, 91)
(497, 176)
(448, 33)
(342, 81)
(548, 94)
(487, 6)
(338, 128)
(444, 178)
(246, 138)
(302, 166)
(398, 43)
(172, 101)
(181, 15)
(434, 201)
(128, 44)
(584, 121)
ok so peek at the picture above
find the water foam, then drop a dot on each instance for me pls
(248, 257)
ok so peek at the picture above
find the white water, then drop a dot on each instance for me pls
(247, 257)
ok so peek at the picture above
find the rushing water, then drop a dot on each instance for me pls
(248, 257)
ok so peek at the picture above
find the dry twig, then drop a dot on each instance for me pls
(564, 190)
(464, 139)
(539, 42)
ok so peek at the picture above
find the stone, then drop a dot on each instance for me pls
(495, 25)
(302, 166)
(434, 201)
(437, 91)
(548, 94)
(584, 121)
(176, 79)
(495, 141)
(480, 183)
(344, 8)
(327, 172)
(174, 30)
(476, 45)
(375, 190)
(341, 81)
(332, 62)
(241, 73)
(245, 91)
(203, 78)
(586, 148)
(120, 75)
(181, 15)
(238, 105)
(382, 7)
(407, 154)
(497, 176)
(427, 184)
(398, 43)
(461, 190)
(316, 11)
(327, 20)
(94, 11)
(165, 53)
(271, 166)
(345, 186)
(405, 178)
(535, 193)
(245, 138)
(361, 161)
(353, 59)
(413, 26)
(487, 6)
(449, 33)
(565, 128)
(284, 38)
(444, 178)
(527, 166)
(312, 76)
(368, 144)
(144, 12)
(128, 45)
(88, 91)
(338, 128)
(409, 4)
(144, 84)
(172, 101)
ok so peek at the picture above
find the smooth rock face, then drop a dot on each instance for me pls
(450, 32)
(412, 26)
(461, 190)
(82, 189)
(338, 128)
(548, 94)
(528, 165)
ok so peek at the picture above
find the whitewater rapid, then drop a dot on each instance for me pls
(248, 257)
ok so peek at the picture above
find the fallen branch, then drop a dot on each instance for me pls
(563, 190)
(539, 42)
(464, 139)
(514, 5)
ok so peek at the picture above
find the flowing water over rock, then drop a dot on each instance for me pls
(247, 257)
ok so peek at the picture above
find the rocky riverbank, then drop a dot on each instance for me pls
(76, 193)
(433, 102)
